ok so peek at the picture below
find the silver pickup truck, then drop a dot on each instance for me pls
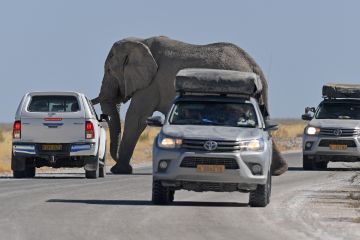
(58, 129)
(214, 138)
(333, 131)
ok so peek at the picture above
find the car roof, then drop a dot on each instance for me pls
(56, 93)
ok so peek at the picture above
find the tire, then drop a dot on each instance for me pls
(18, 174)
(92, 174)
(161, 195)
(29, 172)
(307, 163)
(321, 165)
(261, 196)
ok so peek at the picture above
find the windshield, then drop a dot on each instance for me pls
(53, 104)
(214, 113)
(341, 110)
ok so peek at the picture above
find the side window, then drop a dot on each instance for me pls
(92, 109)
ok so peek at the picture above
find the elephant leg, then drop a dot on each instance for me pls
(278, 165)
(141, 107)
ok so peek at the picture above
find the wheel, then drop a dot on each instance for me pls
(261, 196)
(307, 163)
(92, 174)
(18, 174)
(102, 171)
(161, 195)
(29, 172)
(321, 165)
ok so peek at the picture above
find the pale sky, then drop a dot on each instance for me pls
(62, 45)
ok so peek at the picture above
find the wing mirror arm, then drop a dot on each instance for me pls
(271, 125)
(155, 121)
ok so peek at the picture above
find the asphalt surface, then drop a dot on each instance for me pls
(68, 206)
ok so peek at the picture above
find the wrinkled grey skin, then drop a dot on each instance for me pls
(144, 70)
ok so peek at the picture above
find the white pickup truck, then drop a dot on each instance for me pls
(58, 129)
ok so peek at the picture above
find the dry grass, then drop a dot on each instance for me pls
(287, 137)
(5, 150)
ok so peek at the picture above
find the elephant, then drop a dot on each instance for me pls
(144, 71)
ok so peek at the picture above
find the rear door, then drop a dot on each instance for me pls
(53, 119)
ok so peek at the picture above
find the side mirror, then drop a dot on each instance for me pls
(271, 125)
(104, 118)
(155, 121)
(309, 109)
(306, 117)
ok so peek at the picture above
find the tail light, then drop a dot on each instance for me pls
(17, 130)
(89, 130)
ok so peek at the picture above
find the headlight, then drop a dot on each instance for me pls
(168, 142)
(312, 130)
(252, 145)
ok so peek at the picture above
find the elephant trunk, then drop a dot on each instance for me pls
(114, 126)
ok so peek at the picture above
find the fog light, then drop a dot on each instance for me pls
(256, 169)
(163, 164)
(308, 145)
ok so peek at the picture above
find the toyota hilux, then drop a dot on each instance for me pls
(58, 129)
(333, 131)
(214, 138)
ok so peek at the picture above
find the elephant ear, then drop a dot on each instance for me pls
(139, 67)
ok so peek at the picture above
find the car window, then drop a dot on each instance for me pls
(214, 113)
(54, 104)
(340, 110)
(92, 109)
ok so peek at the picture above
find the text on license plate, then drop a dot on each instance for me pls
(337, 147)
(51, 147)
(210, 168)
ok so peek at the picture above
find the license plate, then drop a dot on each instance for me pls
(337, 147)
(210, 168)
(51, 147)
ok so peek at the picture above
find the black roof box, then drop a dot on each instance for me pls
(216, 81)
(333, 90)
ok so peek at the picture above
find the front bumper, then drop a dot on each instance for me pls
(321, 152)
(175, 174)
(68, 150)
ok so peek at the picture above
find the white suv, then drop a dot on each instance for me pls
(58, 129)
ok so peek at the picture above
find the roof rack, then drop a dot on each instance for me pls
(201, 81)
(333, 90)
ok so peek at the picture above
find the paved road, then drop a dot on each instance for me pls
(67, 206)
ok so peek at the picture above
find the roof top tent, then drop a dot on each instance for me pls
(341, 91)
(216, 81)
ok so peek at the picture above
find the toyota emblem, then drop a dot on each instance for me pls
(210, 145)
(337, 132)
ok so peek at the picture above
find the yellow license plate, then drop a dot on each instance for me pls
(51, 147)
(210, 168)
(337, 147)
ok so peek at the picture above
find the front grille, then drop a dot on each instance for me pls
(328, 142)
(210, 186)
(192, 162)
(222, 146)
(345, 132)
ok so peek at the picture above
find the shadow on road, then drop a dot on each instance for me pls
(344, 169)
(148, 203)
